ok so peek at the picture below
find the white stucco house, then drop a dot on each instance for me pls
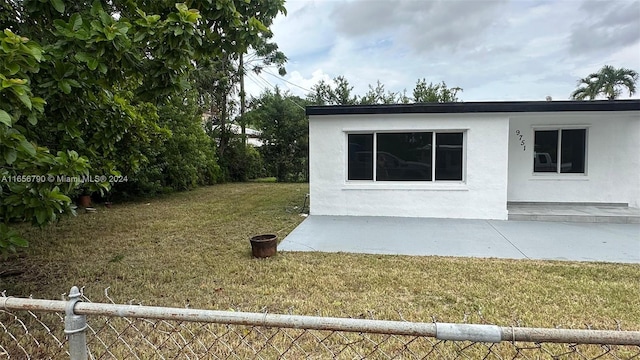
(468, 160)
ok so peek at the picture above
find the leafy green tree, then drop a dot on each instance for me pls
(215, 83)
(438, 93)
(183, 159)
(340, 93)
(106, 76)
(262, 52)
(33, 183)
(265, 54)
(608, 82)
(378, 95)
(220, 78)
(189, 154)
(285, 133)
(242, 161)
(94, 90)
(223, 27)
(403, 98)
(103, 78)
(320, 94)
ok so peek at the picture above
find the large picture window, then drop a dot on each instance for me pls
(406, 156)
(560, 151)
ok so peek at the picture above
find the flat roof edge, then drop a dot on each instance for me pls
(478, 107)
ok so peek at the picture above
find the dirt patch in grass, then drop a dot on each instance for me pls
(193, 248)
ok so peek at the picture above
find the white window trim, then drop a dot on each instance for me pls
(559, 175)
(436, 185)
(405, 185)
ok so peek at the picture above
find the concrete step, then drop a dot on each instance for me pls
(591, 213)
(577, 218)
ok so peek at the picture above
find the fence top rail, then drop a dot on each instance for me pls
(442, 331)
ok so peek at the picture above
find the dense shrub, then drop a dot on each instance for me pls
(182, 160)
(189, 153)
(241, 162)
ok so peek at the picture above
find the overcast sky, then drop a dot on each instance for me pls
(495, 50)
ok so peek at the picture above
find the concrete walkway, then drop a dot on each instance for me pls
(467, 238)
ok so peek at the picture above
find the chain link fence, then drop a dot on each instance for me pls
(79, 329)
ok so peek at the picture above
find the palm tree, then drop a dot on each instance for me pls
(608, 82)
(588, 90)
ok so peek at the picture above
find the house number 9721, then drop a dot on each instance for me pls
(520, 138)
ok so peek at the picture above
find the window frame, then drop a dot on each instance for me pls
(559, 129)
(433, 132)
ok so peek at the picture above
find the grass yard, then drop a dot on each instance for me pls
(193, 248)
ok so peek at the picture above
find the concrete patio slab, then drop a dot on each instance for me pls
(467, 238)
(605, 242)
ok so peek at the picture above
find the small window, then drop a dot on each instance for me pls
(360, 156)
(449, 156)
(560, 151)
(572, 153)
(406, 156)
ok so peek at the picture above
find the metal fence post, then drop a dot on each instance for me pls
(74, 327)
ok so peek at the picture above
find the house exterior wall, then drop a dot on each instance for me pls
(612, 165)
(481, 195)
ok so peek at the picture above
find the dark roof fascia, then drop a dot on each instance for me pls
(478, 107)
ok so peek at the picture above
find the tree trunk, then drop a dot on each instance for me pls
(243, 125)
(223, 115)
(223, 127)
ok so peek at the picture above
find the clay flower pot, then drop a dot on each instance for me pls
(84, 201)
(263, 246)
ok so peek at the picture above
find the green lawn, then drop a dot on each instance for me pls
(193, 248)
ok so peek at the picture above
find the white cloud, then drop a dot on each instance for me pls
(495, 50)
(305, 83)
(423, 25)
(605, 25)
(305, 31)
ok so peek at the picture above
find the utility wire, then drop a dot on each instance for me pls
(256, 81)
(285, 80)
(263, 84)
(254, 77)
(295, 103)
